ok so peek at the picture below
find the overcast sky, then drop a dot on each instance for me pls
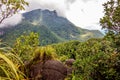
(83, 13)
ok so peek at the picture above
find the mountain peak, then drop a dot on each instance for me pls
(59, 25)
(34, 14)
(51, 27)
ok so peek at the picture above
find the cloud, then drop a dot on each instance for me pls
(89, 0)
(14, 20)
(68, 3)
(86, 14)
(83, 13)
(61, 6)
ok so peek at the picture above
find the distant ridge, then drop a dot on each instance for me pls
(50, 27)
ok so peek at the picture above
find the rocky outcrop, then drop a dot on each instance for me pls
(54, 70)
(50, 70)
(35, 71)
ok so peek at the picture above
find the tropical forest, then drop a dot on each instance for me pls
(46, 46)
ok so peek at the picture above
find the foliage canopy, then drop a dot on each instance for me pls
(111, 19)
(10, 7)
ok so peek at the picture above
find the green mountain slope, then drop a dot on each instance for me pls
(50, 27)
(24, 28)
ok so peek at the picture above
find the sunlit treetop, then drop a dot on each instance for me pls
(111, 19)
(11, 7)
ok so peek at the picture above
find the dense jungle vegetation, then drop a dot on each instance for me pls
(95, 59)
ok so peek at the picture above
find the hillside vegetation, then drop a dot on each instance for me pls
(50, 27)
(94, 59)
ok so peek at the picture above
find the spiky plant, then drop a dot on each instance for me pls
(9, 67)
(45, 53)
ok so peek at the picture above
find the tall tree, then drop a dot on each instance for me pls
(111, 19)
(10, 7)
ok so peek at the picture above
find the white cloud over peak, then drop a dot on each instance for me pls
(61, 6)
(83, 13)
